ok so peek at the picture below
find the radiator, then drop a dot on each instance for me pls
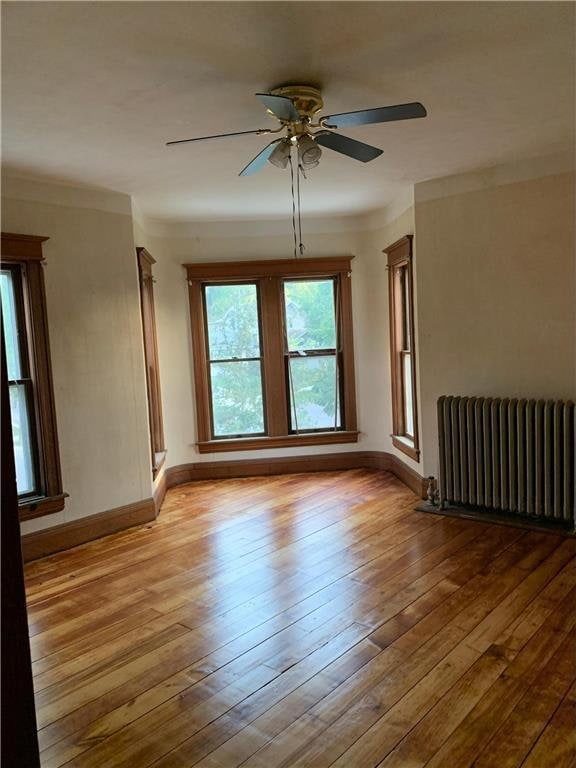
(509, 456)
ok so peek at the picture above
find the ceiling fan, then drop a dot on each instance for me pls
(295, 107)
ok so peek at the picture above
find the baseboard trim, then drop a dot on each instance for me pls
(61, 537)
(52, 540)
(321, 462)
(159, 491)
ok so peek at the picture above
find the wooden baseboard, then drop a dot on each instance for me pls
(51, 540)
(323, 462)
(159, 491)
(67, 535)
(408, 476)
(213, 470)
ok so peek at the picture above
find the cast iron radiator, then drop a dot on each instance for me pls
(508, 456)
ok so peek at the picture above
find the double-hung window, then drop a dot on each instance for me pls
(32, 411)
(273, 355)
(313, 359)
(232, 314)
(402, 355)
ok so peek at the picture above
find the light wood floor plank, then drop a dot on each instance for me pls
(306, 620)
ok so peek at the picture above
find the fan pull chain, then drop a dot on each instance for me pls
(300, 244)
(293, 206)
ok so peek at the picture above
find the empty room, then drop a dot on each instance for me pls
(288, 297)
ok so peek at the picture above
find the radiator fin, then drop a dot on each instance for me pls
(515, 456)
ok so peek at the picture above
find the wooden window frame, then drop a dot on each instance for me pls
(400, 258)
(269, 274)
(25, 251)
(154, 392)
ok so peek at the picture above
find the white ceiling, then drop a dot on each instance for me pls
(91, 91)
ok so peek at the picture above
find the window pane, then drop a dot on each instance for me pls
(237, 405)
(408, 404)
(21, 436)
(232, 317)
(313, 393)
(10, 323)
(405, 299)
(310, 318)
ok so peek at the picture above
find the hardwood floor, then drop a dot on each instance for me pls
(306, 620)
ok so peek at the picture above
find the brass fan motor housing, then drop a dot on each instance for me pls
(306, 98)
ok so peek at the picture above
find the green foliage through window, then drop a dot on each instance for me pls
(310, 318)
(310, 311)
(234, 337)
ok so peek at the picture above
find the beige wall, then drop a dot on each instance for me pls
(253, 240)
(372, 320)
(96, 343)
(496, 291)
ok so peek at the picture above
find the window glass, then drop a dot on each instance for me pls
(10, 324)
(232, 320)
(314, 393)
(237, 403)
(405, 299)
(408, 402)
(310, 315)
(23, 457)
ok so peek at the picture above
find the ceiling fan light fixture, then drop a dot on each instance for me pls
(309, 151)
(281, 154)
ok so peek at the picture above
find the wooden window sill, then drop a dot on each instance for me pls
(43, 505)
(282, 441)
(404, 445)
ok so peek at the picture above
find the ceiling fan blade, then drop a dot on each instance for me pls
(260, 160)
(280, 106)
(347, 146)
(378, 115)
(218, 136)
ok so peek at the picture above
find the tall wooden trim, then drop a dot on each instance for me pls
(26, 250)
(157, 444)
(22, 247)
(269, 275)
(232, 270)
(200, 359)
(347, 348)
(273, 350)
(399, 258)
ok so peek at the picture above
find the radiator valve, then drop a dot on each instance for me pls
(432, 493)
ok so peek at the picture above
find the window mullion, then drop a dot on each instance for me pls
(273, 356)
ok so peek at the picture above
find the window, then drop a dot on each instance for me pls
(273, 354)
(404, 411)
(312, 364)
(25, 330)
(234, 359)
(157, 447)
